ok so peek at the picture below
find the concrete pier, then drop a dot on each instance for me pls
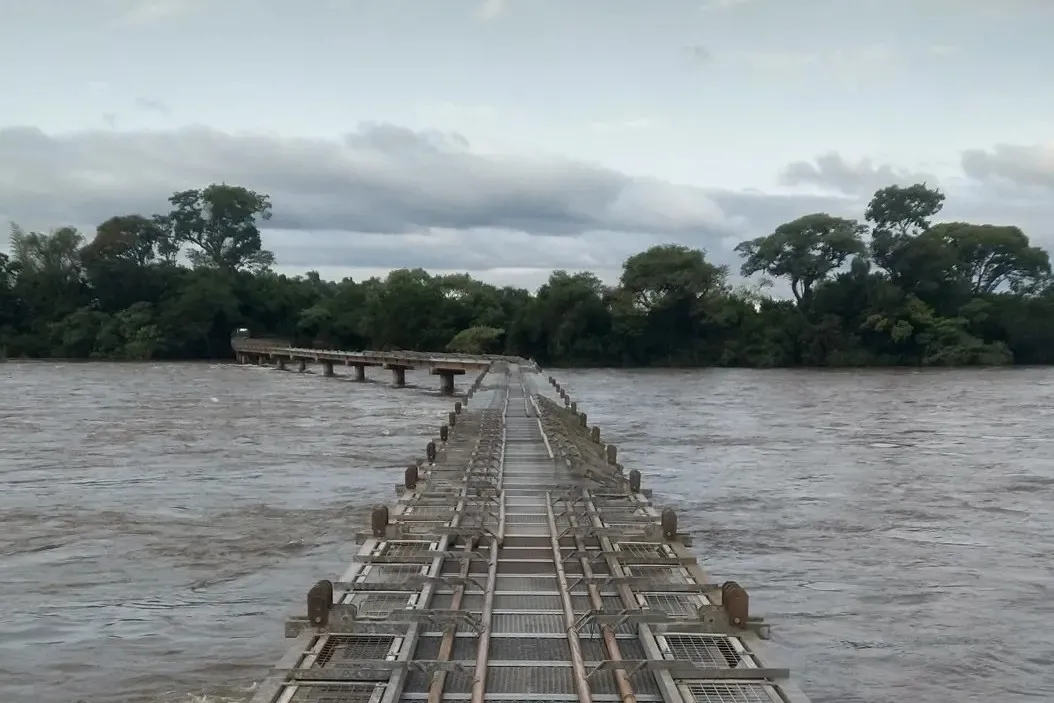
(398, 374)
(520, 563)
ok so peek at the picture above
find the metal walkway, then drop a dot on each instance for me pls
(521, 564)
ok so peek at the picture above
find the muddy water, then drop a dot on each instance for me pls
(159, 521)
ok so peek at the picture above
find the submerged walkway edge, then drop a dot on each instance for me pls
(521, 562)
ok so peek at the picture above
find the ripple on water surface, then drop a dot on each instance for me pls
(160, 520)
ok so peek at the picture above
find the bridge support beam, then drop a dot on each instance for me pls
(279, 363)
(446, 379)
(327, 368)
(360, 372)
(261, 359)
(301, 365)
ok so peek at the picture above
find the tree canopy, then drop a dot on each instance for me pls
(892, 289)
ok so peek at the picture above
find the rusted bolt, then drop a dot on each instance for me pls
(430, 451)
(451, 419)
(319, 602)
(634, 481)
(379, 520)
(669, 524)
(736, 602)
(444, 433)
(411, 476)
(457, 407)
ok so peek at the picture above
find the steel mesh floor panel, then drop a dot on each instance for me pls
(345, 648)
(611, 604)
(530, 680)
(380, 605)
(732, 692)
(456, 682)
(528, 649)
(603, 682)
(672, 604)
(393, 573)
(428, 648)
(711, 650)
(641, 549)
(528, 623)
(525, 583)
(658, 574)
(405, 548)
(336, 693)
(525, 519)
(526, 601)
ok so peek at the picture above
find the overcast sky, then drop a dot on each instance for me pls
(507, 138)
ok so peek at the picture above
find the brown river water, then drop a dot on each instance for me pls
(159, 521)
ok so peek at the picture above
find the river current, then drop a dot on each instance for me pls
(159, 521)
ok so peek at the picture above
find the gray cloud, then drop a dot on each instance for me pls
(383, 196)
(1014, 165)
(832, 171)
(381, 178)
(151, 105)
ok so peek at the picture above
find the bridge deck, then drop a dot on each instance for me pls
(504, 574)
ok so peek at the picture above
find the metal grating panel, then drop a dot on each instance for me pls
(336, 693)
(672, 604)
(380, 605)
(658, 574)
(464, 649)
(393, 573)
(526, 519)
(603, 683)
(732, 692)
(525, 583)
(339, 649)
(528, 623)
(530, 680)
(641, 549)
(526, 601)
(709, 650)
(405, 548)
(528, 649)
(456, 682)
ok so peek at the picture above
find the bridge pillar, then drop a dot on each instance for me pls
(446, 379)
(261, 359)
(279, 363)
(327, 368)
(398, 375)
(301, 366)
(360, 372)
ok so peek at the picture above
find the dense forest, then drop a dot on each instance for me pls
(892, 289)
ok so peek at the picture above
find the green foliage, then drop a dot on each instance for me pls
(897, 290)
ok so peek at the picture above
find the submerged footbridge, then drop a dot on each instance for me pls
(522, 563)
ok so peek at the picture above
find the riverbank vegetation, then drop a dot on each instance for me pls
(889, 289)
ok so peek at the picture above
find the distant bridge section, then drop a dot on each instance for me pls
(446, 366)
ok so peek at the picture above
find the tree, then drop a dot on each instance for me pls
(131, 239)
(989, 257)
(806, 250)
(898, 214)
(221, 221)
(476, 340)
(947, 294)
